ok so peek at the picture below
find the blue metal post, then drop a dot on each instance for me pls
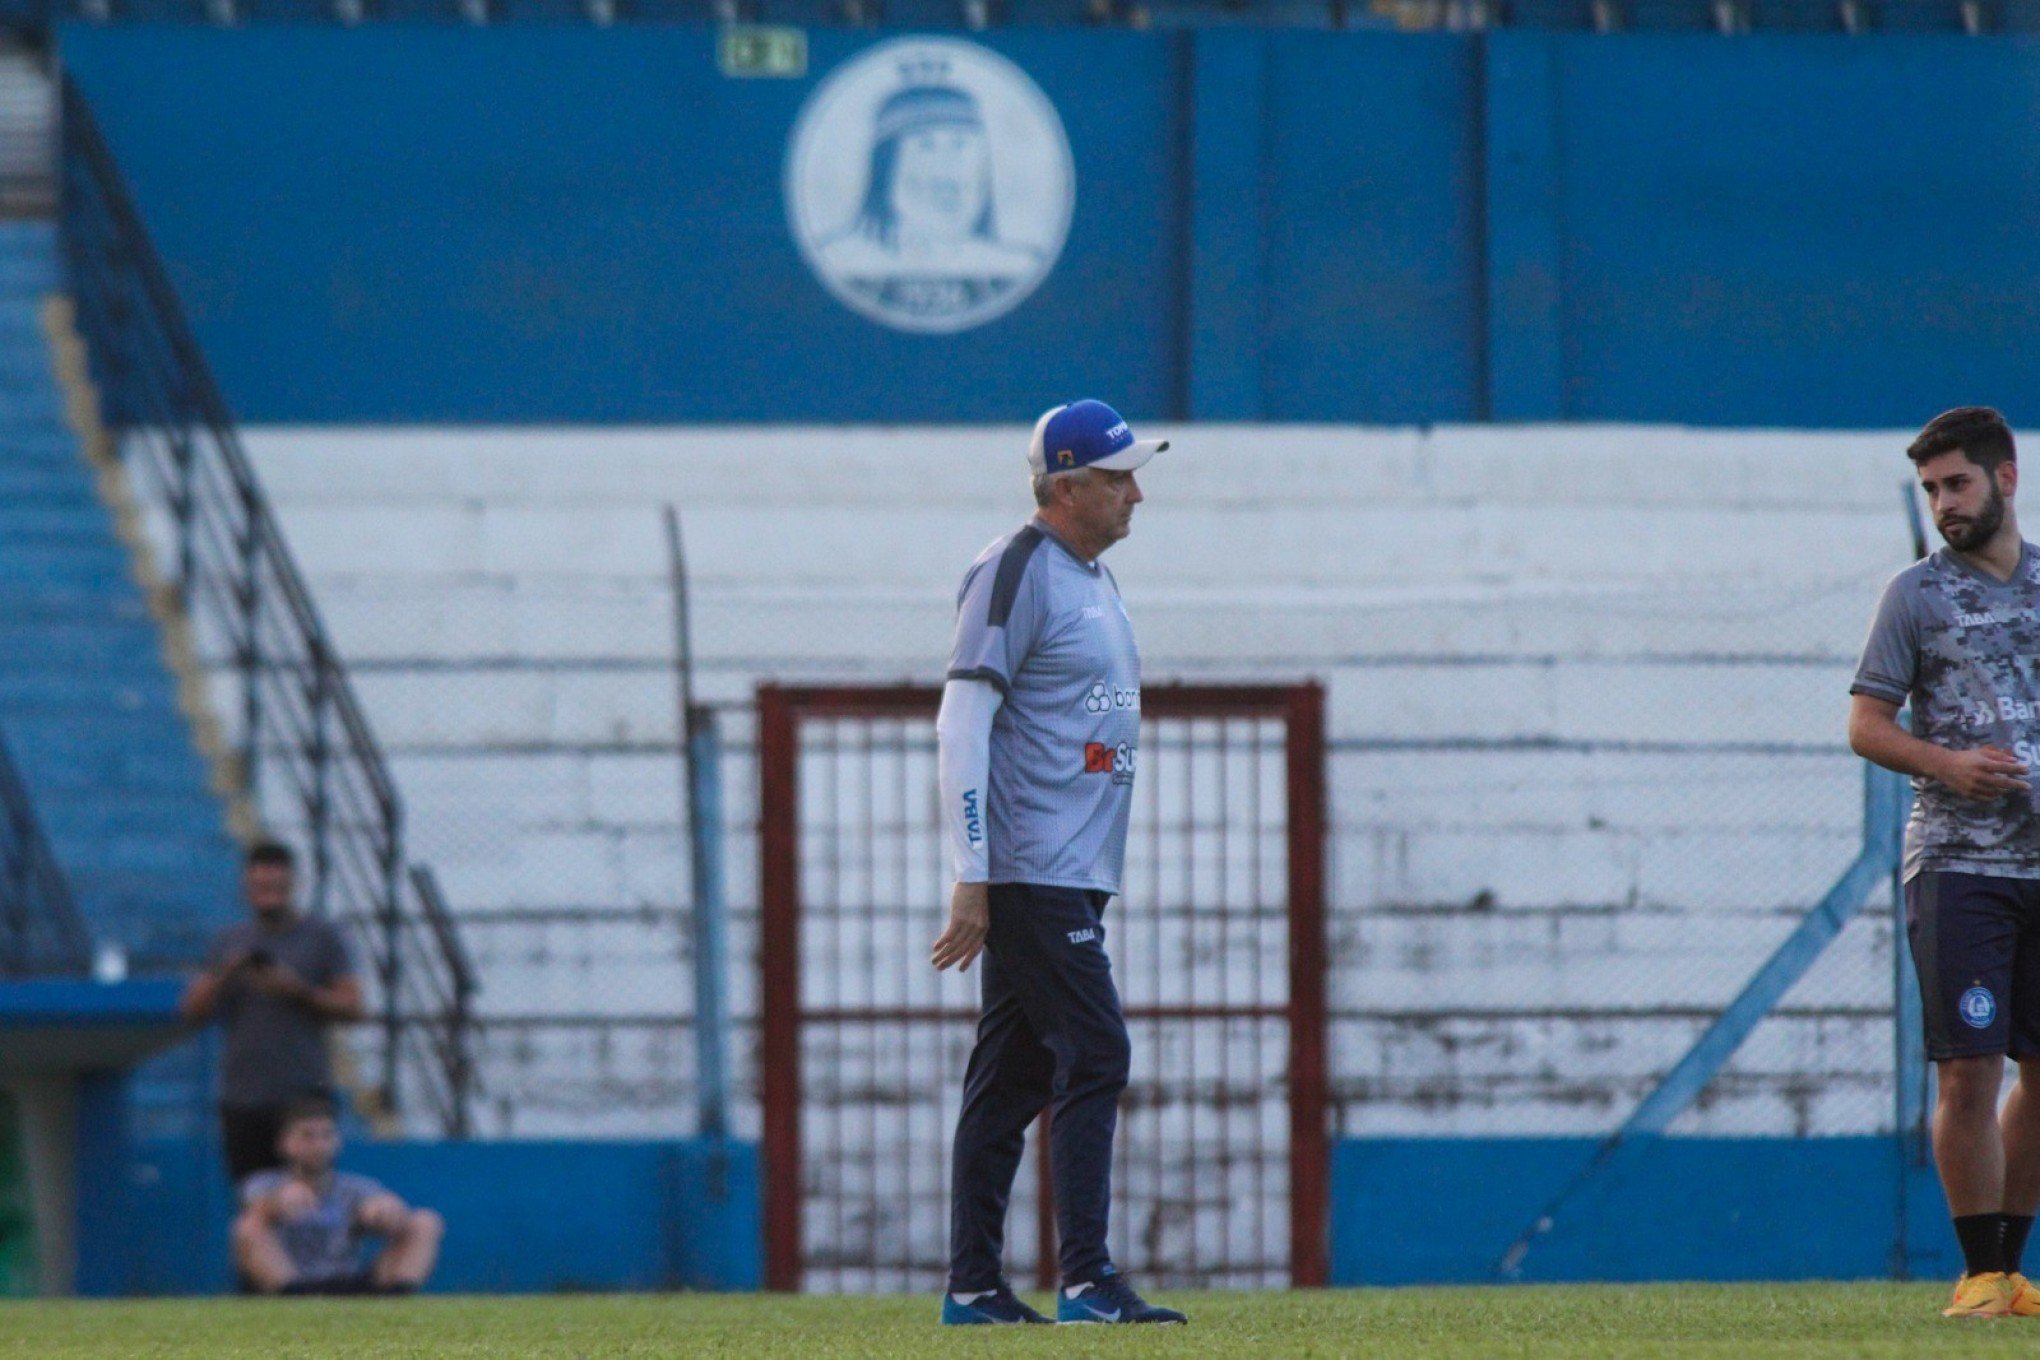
(1909, 1069)
(711, 1003)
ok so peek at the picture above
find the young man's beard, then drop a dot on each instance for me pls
(1969, 535)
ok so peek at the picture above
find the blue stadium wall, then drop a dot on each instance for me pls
(539, 224)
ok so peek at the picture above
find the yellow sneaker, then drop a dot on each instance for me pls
(1988, 1294)
(2024, 1300)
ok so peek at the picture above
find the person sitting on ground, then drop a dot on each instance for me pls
(301, 1228)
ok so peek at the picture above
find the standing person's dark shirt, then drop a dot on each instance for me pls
(276, 1047)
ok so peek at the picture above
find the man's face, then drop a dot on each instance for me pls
(310, 1145)
(1101, 504)
(269, 888)
(1967, 503)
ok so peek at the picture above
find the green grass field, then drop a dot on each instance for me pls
(1579, 1323)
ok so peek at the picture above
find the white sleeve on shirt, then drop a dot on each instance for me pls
(963, 736)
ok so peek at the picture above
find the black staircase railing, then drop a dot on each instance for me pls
(41, 931)
(307, 761)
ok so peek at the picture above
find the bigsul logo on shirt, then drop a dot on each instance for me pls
(1117, 761)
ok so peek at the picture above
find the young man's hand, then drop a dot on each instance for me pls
(1983, 773)
(292, 1201)
(277, 980)
(381, 1214)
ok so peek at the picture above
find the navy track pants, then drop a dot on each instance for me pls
(1050, 1034)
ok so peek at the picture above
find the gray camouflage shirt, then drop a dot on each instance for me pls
(1965, 649)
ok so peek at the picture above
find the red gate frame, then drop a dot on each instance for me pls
(780, 710)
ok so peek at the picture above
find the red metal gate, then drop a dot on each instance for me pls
(1218, 950)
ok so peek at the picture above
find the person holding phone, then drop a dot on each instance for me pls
(277, 982)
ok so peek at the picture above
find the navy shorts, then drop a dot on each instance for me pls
(1976, 945)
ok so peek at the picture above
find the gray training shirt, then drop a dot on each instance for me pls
(1965, 649)
(323, 1245)
(276, 1049)
(1049, 630)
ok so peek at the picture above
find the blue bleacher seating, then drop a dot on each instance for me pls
(90, 707)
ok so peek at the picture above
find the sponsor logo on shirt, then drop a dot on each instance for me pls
(2005, 709)
(1084, 936)
(1104, 698)
(1982, 620)
(973, 823)
(1117, 761)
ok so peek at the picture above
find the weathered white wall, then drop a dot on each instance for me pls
(1488, 606)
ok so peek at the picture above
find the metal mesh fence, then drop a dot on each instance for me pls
(1566, 827)
(866, 1046)
(1634, 890)
(1532, 911)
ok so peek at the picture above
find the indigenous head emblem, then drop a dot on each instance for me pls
(1978, 1007)
(929, 185)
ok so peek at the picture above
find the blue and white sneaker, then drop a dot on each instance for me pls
(1109, 1298)
(994, 1306)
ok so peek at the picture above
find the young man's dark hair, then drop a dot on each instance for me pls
(1979, 432)
(272, 852)
(311, 1107)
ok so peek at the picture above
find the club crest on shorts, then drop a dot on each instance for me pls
(929, 185)
(1978, 1007)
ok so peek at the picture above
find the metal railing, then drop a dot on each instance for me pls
(307, 763)
(41, 931)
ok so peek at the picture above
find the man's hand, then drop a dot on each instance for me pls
(292, 1200)
(278, 980)
(382, 1215)
(202, 994)
(1984, 773)
(970, 920)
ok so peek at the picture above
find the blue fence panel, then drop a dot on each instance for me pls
(435, 224)
(1440, 1210)
(1796, 230)
(420, 223)
(1374, 268)
(522, 1217)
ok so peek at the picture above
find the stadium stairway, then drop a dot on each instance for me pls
(89, 703)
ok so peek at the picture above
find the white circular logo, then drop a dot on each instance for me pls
(929, 185)
(1978, 1007)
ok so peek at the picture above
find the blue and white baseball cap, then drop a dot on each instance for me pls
(1087, 434)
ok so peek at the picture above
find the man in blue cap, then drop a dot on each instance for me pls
(1040, 735)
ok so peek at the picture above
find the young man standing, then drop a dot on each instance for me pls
(302, 1228)
(1039, 735)
(278, 980)
(1958, 635)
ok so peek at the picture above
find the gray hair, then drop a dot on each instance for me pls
(1042, 481)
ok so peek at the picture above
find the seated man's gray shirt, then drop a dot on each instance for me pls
(324, 1244)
